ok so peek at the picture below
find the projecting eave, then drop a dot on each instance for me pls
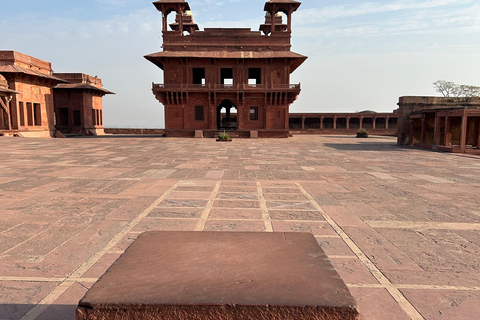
(297, 59)
(14, 69)
(159, 4)
(5, 90)
(82, 86)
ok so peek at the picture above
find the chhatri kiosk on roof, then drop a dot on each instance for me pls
(227, 78)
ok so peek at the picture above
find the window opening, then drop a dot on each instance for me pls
(22, 114)
(226, 75)
(253, 113)
(198, 75)
(37, 111)
(29, 114)
(254, 76)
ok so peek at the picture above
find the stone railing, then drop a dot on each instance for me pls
(225, 87)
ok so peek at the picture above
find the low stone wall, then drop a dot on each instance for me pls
(135, 131)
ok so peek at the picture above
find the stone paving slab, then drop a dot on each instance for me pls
(401, 226)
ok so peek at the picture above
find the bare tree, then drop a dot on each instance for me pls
(450, 89)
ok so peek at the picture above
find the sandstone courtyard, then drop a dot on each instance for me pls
(400, 225)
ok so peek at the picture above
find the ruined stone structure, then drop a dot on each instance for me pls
(227, 79)
(42, 103)
(78, 104)
(343, 123)
(30, 112)
(445, 124)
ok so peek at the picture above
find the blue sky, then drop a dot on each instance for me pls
(362, 54)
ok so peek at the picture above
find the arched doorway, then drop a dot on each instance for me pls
(227, 116)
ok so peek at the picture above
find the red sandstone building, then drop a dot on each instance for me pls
(444, 124)
(44, 104)
(78, 104)
(30, 112)
(344, 123)
(227, 79)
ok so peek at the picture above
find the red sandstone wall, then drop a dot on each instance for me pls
(34, 93)
(135, 131)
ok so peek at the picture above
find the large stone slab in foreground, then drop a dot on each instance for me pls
(220, 275)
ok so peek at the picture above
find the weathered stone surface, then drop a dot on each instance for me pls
(430, 226)
(220, 275)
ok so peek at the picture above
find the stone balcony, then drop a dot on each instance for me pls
(239, 87)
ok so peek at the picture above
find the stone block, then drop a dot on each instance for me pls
(198, 133)
(253, 134)
(220, 275)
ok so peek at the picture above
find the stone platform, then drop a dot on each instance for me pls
(220, 275)
(400, 225)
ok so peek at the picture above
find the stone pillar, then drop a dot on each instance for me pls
(334, 122)
(272, 13)
(289, 26)
(360, 124)
(437, 130)
(240, 114)
(386, 122)
(448, 132)
(463, 135)
(423, 136)
(476, 138)
(374, 122)
(180, 21)
(164, 22)
(212, 116)
(267, 117)
(303, 122)
(321, 122)
(410, 134)
(348, 123)
(469, 127)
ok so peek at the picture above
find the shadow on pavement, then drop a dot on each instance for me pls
(365, 146)
(53, 312)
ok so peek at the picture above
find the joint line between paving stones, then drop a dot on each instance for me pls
(206, 212)
(414, 287)
(267, 220)
(393, 290)
(66, 284)
(40, 279)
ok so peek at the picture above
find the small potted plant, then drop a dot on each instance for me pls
(362, 133)
(224, 137)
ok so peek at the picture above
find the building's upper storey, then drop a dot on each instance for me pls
(183, 38)
(16, 63)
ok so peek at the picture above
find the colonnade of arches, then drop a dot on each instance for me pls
(334, 122)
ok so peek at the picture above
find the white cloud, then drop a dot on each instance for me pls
(118, 3)
(315, 15)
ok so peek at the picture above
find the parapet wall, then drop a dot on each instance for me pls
(25, 61)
